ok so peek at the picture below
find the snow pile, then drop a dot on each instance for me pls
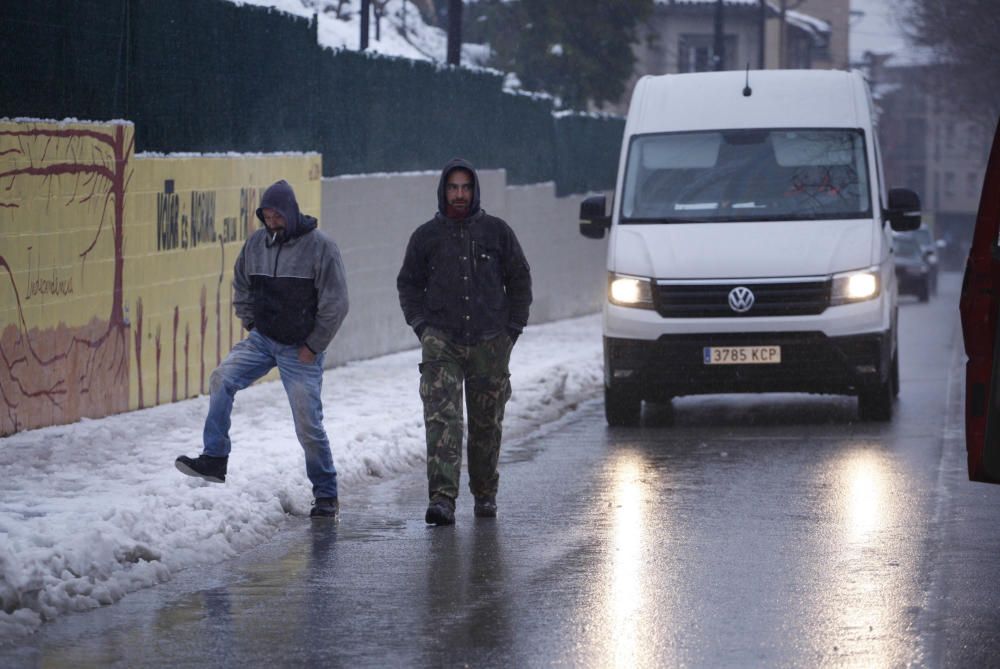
(94, 510)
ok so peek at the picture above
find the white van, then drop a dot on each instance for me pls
(750, 242)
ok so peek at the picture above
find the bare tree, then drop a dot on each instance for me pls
(454, 32)
(378, 7)
(964, 36)
(341, 8)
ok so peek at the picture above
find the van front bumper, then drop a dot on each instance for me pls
(811, 362)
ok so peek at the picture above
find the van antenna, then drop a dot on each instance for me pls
(747, 91)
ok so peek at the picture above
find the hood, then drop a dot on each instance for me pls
(453, 164)
(743, 250)
(280, 197)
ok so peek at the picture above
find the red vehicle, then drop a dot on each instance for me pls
(979, 308)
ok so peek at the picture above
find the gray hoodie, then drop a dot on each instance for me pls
(290, 287)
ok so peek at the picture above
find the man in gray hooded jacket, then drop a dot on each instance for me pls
(290, 293)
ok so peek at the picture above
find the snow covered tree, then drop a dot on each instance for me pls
(578, 50)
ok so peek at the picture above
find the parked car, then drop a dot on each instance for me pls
(913, 272)
(979, 307)
(929, 248)
(749, 245)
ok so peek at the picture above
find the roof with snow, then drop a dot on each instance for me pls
(810, 24)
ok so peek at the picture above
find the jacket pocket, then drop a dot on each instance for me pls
(489, 271)
(435, 301)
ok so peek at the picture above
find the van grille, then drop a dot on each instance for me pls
(711, 300)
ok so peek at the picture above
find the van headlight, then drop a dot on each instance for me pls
(630, 291)
(854, 286)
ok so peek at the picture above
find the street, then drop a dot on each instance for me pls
(727, 531)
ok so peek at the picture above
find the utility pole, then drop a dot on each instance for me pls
(782, 36)
(454, 32)
(762, 50)
(365, 13)
(719, 49)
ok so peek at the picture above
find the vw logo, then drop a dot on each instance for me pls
(741, 299)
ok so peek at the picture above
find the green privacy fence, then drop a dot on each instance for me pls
(210, 75)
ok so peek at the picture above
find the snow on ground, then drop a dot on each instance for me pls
(402, 31)
(96, 509)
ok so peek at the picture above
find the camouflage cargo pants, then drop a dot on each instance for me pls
(484, 370)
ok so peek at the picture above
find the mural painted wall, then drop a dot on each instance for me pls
(117, 269)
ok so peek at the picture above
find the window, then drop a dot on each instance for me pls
(915, 178)
(949, 184)
(696, 53)
(973, 184)
(915, 139)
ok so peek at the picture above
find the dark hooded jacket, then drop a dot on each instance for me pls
(291, 286)
(466, 277)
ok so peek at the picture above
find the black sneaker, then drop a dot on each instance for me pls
(486, 507)
(441, 511)
(325, 507)
(203, 467)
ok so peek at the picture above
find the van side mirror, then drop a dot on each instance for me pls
(904, 209)
(593, 220)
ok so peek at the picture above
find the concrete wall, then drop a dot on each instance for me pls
(372, 217)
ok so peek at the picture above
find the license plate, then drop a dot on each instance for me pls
(741, 355)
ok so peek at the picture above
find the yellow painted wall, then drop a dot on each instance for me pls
(187, 220)
(116, 269)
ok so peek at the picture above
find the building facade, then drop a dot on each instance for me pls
(931, 147)
(759, 34)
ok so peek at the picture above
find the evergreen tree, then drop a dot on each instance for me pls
(578, 50)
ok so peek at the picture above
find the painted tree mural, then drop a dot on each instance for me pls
(61, 371)
(114, 269)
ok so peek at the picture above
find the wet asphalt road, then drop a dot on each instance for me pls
(771, 530)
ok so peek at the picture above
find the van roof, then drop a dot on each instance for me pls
(780, 99)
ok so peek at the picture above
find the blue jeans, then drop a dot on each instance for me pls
(251, 359)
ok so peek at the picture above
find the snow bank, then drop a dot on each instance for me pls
(94, 510)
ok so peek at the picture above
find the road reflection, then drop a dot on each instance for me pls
(628, 606)
(864, 508)
(626, 564)
(866, 547)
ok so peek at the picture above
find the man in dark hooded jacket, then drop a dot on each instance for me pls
(290, 293)
(465, 289)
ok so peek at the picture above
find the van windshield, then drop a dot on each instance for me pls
(746, 175)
